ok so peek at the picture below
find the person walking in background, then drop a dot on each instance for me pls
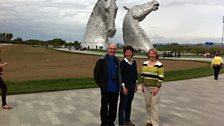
(3, 87)
(152, 77)
(107, 76)
(216, 65)
(129, 77)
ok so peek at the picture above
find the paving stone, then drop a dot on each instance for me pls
(193, 102)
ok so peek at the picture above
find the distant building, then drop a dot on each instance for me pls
(209, 43)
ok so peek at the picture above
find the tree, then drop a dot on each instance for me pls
(6, 36)
(34, 42)
(56, 42)
(77, 45)
(9, 36)
(1, 36)
(18, 40)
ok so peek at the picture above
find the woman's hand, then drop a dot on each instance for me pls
(155, 91)
(125, 90)
(3, 64)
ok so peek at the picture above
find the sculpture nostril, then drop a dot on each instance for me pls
(156, 5)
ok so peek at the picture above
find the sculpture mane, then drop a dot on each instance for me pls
(101, 25)
(133, 34)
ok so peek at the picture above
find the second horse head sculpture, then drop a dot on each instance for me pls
(133, 34)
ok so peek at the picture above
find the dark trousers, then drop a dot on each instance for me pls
(4, 91)
(108, 109)
(216, 71)
(125, 107)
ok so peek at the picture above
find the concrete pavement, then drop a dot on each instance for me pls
(194, 102)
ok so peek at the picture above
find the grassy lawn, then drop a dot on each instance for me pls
(188, 74)
(34, 86)
(21, 87)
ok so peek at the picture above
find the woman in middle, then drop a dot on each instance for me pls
(128, 68)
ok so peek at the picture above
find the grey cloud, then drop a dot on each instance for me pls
(163, 39)
(190, 2)
(67, 19)
(122, 3)
(33, 19)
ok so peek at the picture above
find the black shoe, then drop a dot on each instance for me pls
(111, 124)
(148, 124)
(129, 123)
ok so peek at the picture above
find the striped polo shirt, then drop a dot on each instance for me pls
(152, 75)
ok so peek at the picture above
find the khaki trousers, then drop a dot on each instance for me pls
(152, 105)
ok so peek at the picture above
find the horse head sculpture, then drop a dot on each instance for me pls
(133, 34)
(101, 24)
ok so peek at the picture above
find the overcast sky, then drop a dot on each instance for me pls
(182, 21)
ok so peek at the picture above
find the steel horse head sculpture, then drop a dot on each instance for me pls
(101, 24)
(133, 34)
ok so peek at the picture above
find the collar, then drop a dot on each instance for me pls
(127, 61)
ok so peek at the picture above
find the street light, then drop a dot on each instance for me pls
(222, 32)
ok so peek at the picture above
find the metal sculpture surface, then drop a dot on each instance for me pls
(101, 25)
(133, 34)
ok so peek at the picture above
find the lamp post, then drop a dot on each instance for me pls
(222, 32)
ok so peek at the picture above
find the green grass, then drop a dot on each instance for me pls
(188, 74)
(34, 86)
(22, 87)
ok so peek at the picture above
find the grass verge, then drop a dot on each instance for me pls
(23, 87)
(35, 86)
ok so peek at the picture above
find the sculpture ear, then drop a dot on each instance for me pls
(126, 8)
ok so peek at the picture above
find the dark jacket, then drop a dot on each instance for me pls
(101, 72)
(129, 74)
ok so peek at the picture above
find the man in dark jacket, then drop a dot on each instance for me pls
(107, 76)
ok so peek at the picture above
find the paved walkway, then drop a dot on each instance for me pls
(136, 56)
(195, 102)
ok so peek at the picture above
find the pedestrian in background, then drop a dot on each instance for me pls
(216, 64)
(3, 87)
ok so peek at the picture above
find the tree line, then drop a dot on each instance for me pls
(56, 42)
(198, 49)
